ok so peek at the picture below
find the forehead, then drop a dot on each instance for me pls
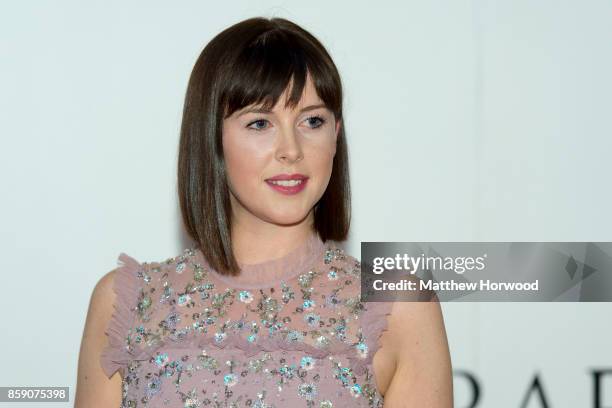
(309, 97)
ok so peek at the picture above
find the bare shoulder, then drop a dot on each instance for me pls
(103, 290)
(101, 301)
(94, 389)
(423, 375)
(411, 323)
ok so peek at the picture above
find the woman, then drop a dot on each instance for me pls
(264, 310)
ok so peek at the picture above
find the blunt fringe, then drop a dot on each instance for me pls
(251, 63)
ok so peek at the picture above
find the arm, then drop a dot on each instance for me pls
(423, 374)
(94, 389)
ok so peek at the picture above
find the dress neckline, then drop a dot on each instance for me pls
(272, 272)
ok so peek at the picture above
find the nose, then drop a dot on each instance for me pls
(289, 148)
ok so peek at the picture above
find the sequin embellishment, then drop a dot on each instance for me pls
(196, 342)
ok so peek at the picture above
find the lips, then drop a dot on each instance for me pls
(284, 176)
(288, 183)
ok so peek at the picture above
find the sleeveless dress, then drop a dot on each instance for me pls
(289, 332)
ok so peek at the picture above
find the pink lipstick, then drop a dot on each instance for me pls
(288, 183)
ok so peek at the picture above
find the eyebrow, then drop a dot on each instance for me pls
(262, 110)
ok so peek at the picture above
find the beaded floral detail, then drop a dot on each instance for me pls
(183, 338)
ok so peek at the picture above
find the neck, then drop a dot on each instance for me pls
(270, 271)
(259, 242)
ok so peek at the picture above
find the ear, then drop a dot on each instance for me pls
(336, 134)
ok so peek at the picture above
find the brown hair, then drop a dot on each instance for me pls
(251, 62)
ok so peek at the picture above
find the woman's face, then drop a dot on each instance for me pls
(285, 143)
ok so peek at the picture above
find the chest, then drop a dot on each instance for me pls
(190, 376)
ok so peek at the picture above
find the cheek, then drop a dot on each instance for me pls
(240, 172)
(321, 164)
(246, 158)
(323, 152)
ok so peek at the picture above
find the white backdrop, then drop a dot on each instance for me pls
(466, 121)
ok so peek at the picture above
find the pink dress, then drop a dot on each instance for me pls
(289, 332)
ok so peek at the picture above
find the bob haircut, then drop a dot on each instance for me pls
(251, 63)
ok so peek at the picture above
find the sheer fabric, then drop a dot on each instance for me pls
(290, 331)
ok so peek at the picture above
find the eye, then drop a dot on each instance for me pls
(258, 121)
(316, 121)
(316, 118)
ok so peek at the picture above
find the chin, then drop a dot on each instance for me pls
(287, 217)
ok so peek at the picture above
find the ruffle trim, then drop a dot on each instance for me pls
(116, 354)
(373, 324)
(236, 342)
